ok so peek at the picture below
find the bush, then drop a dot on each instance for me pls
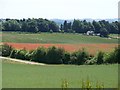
(55, 55)
(109, 58)
(6, 50)
(13, 53)
(28, 55)
(113, 57)
(82, 56)
(117, 54)
(90, 62)
(104, 32)
(20, 54)
(66, 58)
(73, 59)
(100, 57)
(39, 55)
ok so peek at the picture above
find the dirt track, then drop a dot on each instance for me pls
(21, 61)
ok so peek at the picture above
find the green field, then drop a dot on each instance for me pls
(53, 38)
(16, 75)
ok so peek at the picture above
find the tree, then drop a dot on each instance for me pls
(104, 32)
(61, 27)
(1, 25)
(55, 55)
(97, 26)
(39, 55)
(6, 50)
(114, 27)
(53, 26)
(20, 54)
(76, 26)
(43, 26)
(100, 58)
(32, 26)
(80, 57)
(66, 58)
(65, 26)
(11, 25)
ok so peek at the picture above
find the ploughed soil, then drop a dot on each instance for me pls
(91, 48)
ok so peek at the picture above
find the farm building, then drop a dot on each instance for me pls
(90, 33)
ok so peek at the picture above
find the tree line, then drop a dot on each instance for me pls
(53, 55)
(45, 25)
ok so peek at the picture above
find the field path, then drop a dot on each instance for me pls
(21, 61)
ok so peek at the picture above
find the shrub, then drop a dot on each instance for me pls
(28, 55)
(117, 54)
(39, 55)
(113, 57)
(73, 59)
(90, 62)
(66, 58)
(55, 55)
(64, 84)
(109, 58)
(13, 53)
(20, 54)
(81, 56)
(6, 50)
(104, 32)
(100, 57)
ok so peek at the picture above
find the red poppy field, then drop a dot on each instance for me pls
(92, 48)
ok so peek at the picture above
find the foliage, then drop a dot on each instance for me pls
(100, 57)
(113, 57)
(20, 54)
(44, 25)
(29, 25)
(6, 50)
(66, 58)
(39, 55)
(87, 85)
(81, 56)
(64, 84)
(117, 54)
(104, 32)
(13, 53)
(54, 55)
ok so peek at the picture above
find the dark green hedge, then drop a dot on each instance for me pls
(54, 55)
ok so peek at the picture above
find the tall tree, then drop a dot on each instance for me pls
(76, 26)
(97, 26)
(65, 26)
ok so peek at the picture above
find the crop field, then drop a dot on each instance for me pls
(69, 42)
(17, 75)
(91, 48)
(54, 38)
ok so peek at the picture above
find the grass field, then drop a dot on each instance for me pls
(54, 38)
(16, 75)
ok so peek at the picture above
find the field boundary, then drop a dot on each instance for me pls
(22, 61)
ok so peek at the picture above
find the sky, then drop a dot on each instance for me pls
(59, 9)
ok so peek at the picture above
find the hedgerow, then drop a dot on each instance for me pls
(54, 55)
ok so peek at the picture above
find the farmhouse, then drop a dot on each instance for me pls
(90, 33)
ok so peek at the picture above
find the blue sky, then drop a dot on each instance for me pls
(61, 9)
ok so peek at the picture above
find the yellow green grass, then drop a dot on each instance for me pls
(61, 38)
(17, 75)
